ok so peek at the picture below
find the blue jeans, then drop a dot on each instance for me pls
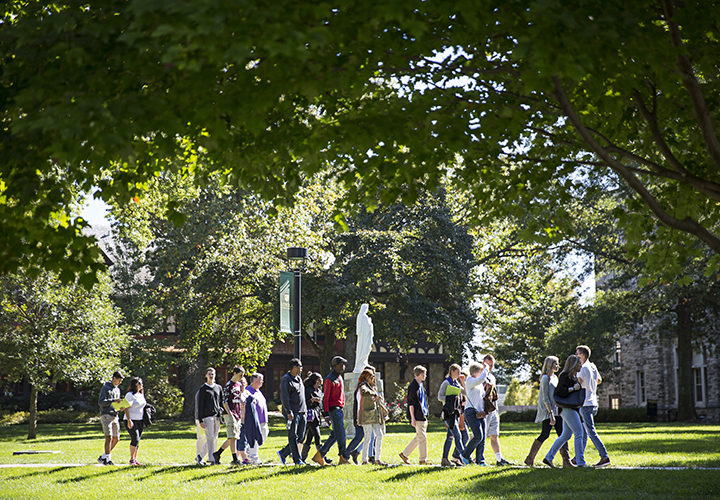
(296, 432)
(356, 443)
(571, 425)
(453, 433)
(464, 438)
(588, 416)
(337, 434)
(477, 426)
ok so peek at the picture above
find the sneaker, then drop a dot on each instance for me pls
(548, 463)
(199, 460)
(301, 463)
(109, 462)
(404, 458)
(327, 460)
(247, 462)
(101, 460)
(134, 462)
(425, 462)
(465, 461)
(446, 463)
(282, 459)
(604, 462)
(482, 464)
(216, 457)
(236, 462)
(503, 462)
(573, 462)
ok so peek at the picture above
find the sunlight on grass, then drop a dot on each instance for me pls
(170, 448)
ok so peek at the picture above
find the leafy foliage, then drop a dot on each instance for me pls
(529, 105)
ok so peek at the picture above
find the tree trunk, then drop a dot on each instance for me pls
(32, 421)
(350, 349)
(194, 378)
(686, 400)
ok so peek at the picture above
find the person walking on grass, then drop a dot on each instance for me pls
(233, 409)
(208, 404)
(492, 415)
(294, 409)
(547, 414)
(256, 418)
(134, 416)
(418, 412)
(333, 405)
(313, 399)
(370, 415)
(589, 378)
(568, 383)
(109, 394)
(450, 395)
(475, 412)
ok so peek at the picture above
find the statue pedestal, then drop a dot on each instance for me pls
(350, 381)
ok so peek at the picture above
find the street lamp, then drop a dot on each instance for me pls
(297, 255)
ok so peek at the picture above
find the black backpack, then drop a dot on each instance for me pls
(148, 414)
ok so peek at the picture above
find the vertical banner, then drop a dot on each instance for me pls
(287, 291)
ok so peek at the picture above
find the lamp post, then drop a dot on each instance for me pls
(297, 255)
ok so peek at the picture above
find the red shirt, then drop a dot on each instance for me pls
(333, 391)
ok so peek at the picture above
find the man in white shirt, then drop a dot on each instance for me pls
(589, 378)
(475, 410)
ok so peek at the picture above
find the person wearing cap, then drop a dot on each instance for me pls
(294, 409)
(333, 404)
(109, 394)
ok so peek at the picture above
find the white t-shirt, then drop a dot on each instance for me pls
(589, 375)
(137, 405)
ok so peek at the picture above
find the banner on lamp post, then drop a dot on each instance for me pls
(287, 295)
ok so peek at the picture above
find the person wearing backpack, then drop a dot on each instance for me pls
(450, 395)
(492, 415)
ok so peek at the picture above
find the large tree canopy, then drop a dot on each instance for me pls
(529, 104)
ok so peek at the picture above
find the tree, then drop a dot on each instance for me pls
(412, 266)
(528, 104)
(51, 331)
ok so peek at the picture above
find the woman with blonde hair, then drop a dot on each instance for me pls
(370, 414)
(572, 425)
(547, 413)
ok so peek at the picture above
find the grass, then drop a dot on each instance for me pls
(170, 447)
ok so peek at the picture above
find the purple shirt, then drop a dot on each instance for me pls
(261, 405)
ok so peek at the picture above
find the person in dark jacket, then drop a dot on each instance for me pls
(313, 399)
(567, 383)
(418, 409)
(208, 409)
(294, 409)
(109, 394)
(333, 404)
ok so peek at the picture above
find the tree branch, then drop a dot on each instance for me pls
(693, 87)
(687, 225)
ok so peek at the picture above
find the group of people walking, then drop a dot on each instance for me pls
(567, 402)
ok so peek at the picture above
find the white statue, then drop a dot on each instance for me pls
(364, 332)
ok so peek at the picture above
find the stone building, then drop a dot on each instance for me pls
(645, 375)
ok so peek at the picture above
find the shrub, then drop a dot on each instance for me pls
(519, 416)
(397, 406)
(166, 398)
(638, 414)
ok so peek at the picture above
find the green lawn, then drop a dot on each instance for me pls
(166, 445)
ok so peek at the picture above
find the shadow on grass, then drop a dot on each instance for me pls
(44, 472)
(254, 474)
(86, 477)
(413, 472)
(604, 483)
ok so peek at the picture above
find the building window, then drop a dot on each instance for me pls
(640, 387)
(698, 384)
(618, 349)
(615, 402)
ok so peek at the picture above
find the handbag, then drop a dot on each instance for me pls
(383, 410)
(574, 400)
